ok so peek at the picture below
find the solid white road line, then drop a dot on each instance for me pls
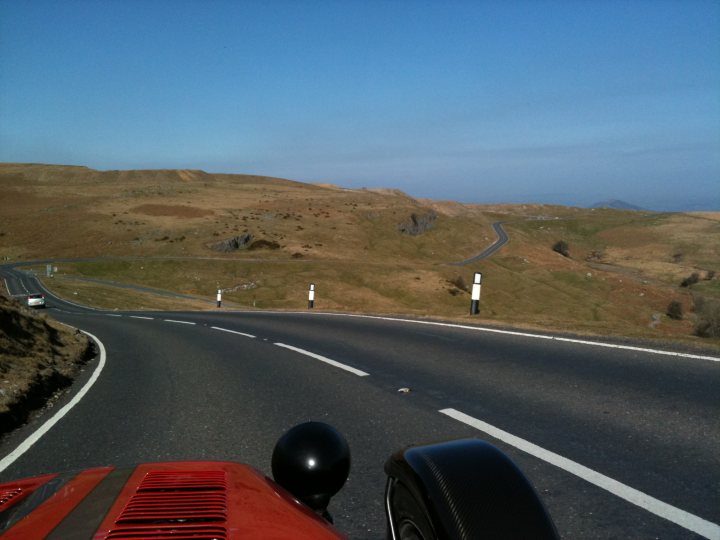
(680, 517)
(179, 322)
(524, 334)
(8, 288)
(233, 332)
(324, 359)
(35, 437)
(140, 317)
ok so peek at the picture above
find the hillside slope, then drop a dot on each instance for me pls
(264, 240)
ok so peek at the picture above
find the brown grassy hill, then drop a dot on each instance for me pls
(162, 228)
(37, 357)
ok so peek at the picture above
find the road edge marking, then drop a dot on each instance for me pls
(233, 332)
(517, 333)
(334, 363)
(684, 519)
(37, 434)
(179, 322)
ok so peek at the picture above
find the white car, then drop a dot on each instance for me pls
(36, 300)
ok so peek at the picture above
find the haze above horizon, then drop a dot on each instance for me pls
(485, 102)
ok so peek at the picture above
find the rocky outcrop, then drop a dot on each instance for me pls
(244, 241)
(233, 244)
(418, 224)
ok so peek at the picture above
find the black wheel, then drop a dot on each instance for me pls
(408, 516)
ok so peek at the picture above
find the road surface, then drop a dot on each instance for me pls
(502, 239)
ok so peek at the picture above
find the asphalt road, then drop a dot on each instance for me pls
(502, 239)
(217, 385)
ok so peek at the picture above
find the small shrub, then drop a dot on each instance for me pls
(457, 286)
(562, 248)
(459, 282)
(708, 318)
(692, 279)
(710, 275)
(675, 310)
(264, 244)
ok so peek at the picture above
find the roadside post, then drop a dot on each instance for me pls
(219, 297)
(311, 296)
(475, 303)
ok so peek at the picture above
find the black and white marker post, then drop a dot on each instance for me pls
(475, 304)
(219, 298)
(311, 296)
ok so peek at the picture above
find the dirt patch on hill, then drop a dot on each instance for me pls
(171, 210)
(38, 356)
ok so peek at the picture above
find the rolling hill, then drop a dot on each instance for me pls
(265, 239)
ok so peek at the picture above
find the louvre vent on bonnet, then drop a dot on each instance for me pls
(176, 505)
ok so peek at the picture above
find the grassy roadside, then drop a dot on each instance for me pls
(515, 292)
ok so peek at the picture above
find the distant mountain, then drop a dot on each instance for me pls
(617, 204)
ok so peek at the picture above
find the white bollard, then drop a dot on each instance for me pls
(311, 296)
(219, 298)
(475, 303)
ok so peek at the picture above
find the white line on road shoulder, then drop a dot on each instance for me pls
(140, 317)
(324, 359)
(179, 322)
(35, 437)
(523, 334)
(659, 508)
(233, 332)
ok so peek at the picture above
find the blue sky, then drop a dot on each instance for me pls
(566, 102)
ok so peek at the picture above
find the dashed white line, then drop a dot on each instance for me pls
(233, 332)
(179, 322)
(140, 317)
(35, 437)
(112, 315)
(655, 506)
(335, 363)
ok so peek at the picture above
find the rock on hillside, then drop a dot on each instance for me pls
(38, 356)
(418, 224)
(232, 244)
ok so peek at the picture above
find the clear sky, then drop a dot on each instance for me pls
(568, 102)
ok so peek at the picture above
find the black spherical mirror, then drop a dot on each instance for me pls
(312, 461)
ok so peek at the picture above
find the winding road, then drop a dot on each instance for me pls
(502, 239)
(620, 441)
